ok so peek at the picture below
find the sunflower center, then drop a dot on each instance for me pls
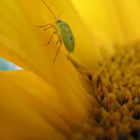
(115, 86)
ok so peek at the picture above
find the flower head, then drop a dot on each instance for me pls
(86, 96)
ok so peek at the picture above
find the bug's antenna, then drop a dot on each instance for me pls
(48, 8)
(59, 15)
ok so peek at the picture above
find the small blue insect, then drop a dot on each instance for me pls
(63, 31)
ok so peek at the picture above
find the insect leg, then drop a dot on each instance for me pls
(57, 41)
(47, 28)
(51, 37)
(43, 26)
(60, 43)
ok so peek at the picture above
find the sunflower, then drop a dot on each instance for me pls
(93, 95)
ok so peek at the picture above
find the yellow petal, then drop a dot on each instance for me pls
(65, 11)
(129, 13)
(29, 108)
(119, 20)
(18, 41)
(21, 43)
(35, 104)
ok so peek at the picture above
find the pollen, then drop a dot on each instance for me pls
(115, 85)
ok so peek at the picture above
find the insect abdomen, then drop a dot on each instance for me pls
(67, 35)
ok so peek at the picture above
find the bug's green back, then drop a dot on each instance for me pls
(67, 35)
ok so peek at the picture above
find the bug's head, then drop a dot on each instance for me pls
(58, 21)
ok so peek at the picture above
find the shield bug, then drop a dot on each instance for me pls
(62, 30)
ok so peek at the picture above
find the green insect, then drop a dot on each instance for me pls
(63, 31)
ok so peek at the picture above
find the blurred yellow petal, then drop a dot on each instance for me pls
(129, 13)
(27, 110)
(31, 105)
(21, 43)
(119, 20)
(18, 41)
